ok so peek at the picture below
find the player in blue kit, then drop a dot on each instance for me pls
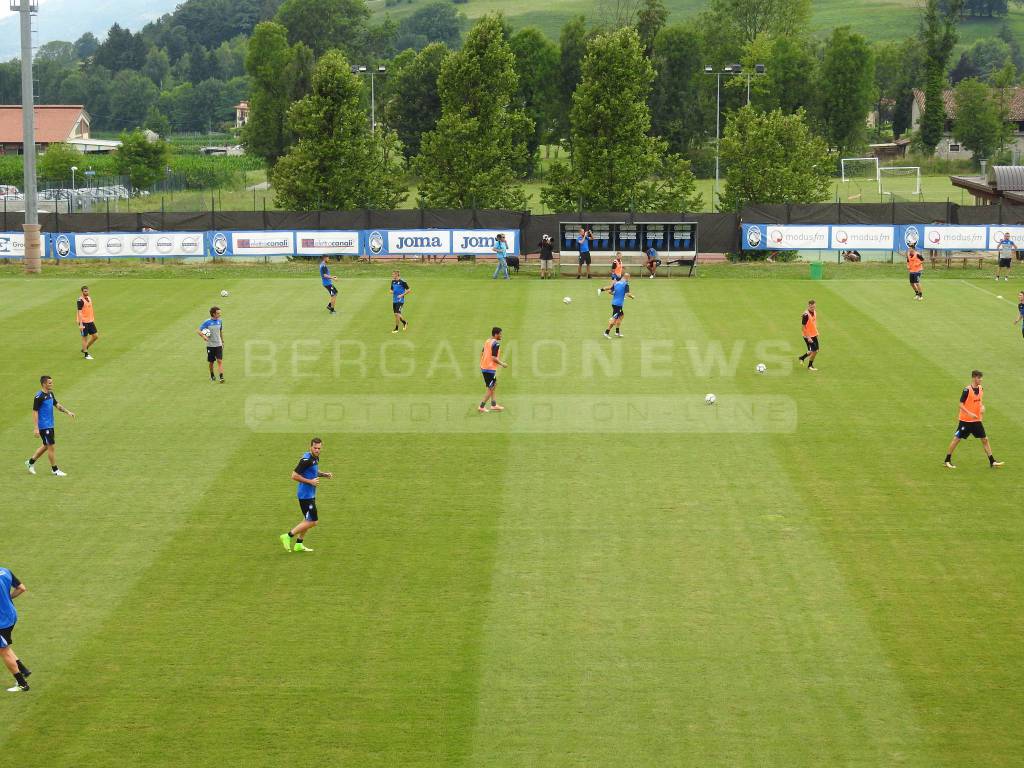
(10, 588)
(619, 289)
(1020, 311)
(328, 282)
(399, 290)
(43, 406)
(307, 474)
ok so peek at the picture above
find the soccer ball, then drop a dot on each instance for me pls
(205, 332)
(567, 300)
(761, 367)
(224, 293)
(709, 399)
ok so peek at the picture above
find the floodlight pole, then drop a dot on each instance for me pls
(362, 69)
(33, 251)
(728, 69)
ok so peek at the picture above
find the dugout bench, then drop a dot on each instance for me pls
(675, 242)
(948, 257)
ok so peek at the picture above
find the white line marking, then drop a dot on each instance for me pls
(978, 287)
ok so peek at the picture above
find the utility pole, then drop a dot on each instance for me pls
(33, 249)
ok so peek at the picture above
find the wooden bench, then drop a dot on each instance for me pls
(633, 262)
(948, 258)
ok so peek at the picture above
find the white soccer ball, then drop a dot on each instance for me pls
(205, 332)
(224, 293)
(709, 399)
(761, 367)
(567, 300)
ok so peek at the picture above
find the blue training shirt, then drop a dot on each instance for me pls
(43, 403)
(584, 243)
(8, 615)
(308, 467)
(398, 289)
(619, 291)
(325, 273)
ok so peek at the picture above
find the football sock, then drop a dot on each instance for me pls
(810, 362)
(23, 669)
(31, 462)
(949, 457)
(21, 680)
(298, 541)
(991, 459)
(396, 327)
(494, 402)
(483, 404)
(291, 535)
(802, 358)
(53, 467)
(404, 322)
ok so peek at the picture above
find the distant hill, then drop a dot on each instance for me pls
(875, 19)
(70, 19)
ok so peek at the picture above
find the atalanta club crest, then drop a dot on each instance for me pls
(754, 237)
(376, 243)
(911, 236)
(220, 244)
(62, 246)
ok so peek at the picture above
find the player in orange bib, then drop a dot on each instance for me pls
(971, 411)
(617, 268)
(809, 321)
(86, 318)
(489, 364)
(915, 264)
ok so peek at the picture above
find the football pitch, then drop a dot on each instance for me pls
(609, 573)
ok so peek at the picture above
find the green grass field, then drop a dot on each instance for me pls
(609, 573)
(875, 19)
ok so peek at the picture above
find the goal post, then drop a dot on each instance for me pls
(859, 168)
(902, 180)
(858, 172)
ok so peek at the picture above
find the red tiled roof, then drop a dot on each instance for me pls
(1016, 109)
(53, 123)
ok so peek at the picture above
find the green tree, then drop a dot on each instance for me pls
(413, 104)
(326, 24)
(939, 34)
(157, 122)
(746, 19)
(899, 67)
(337, 162)
(55, 163)
(471, 158)
(131, 96)
(847, 88)
(791, 71)
(278, 74)
(572, 49)
(978, 124)
(157, 66)
(121, 50)
(537, 68)
(141, 160)
(649, 21)
(982, 60)
(436, 22)
(86, 45)
(772, 157)
(616, 164)
(678, 113)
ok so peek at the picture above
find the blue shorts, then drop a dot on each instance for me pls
(308, 507)
(5, 636)
(617, 311)
(329, 287)
(396, 307)
(490, 378)
(46, 435)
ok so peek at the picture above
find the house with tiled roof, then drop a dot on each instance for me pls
(54, 124)
(949, 147)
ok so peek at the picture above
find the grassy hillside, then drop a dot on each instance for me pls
(876, 19)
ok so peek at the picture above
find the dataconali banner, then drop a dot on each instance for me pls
(369, 243)
(841, 237)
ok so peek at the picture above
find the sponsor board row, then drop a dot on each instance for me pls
(383, 242)
(940, 237)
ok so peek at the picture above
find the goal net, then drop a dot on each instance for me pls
(900, 181)
(859, 174)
